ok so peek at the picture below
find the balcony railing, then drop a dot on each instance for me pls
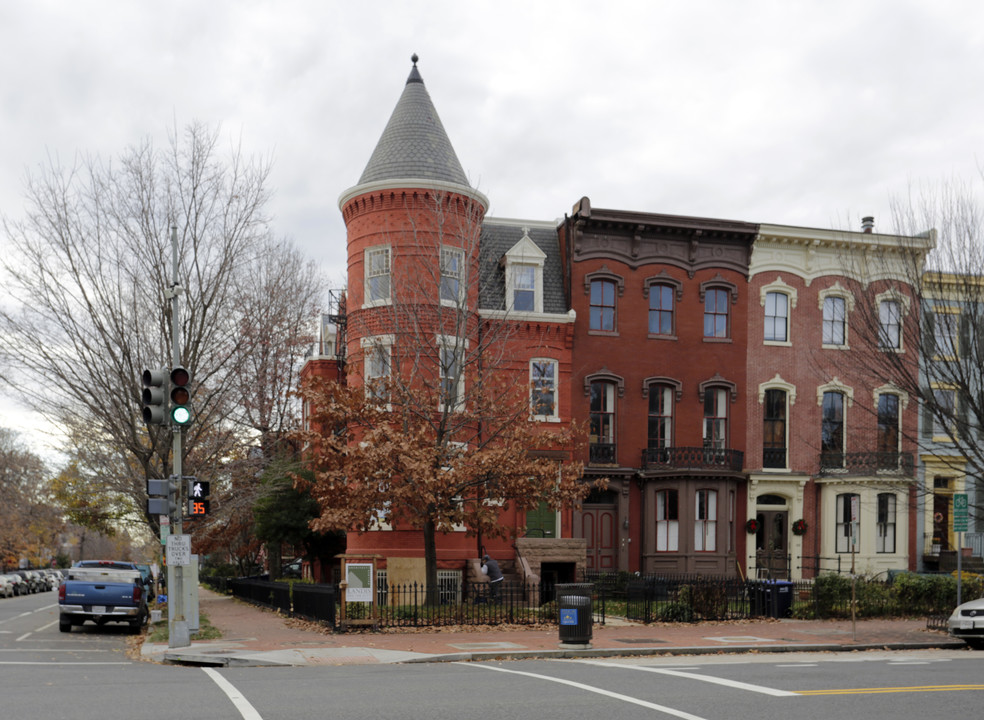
(774, 458)
(693, 458)
(601, 453)
(867, 463)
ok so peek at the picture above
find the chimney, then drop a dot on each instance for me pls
(868, 224)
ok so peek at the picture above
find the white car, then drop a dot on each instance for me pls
(6, 587)
(967, 623)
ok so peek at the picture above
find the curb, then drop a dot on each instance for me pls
(256, 659)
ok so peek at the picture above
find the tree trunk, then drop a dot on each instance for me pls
(274, 559)
(430, 562)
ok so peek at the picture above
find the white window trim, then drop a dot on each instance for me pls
(838, 291)
(893, 295)
(377, 342)
(555, 415)
(452, 341)
(777, 383)
(890, 389)
(462, 275)
(388, 300)
(791, 296)
(836, 386)
(524, 253)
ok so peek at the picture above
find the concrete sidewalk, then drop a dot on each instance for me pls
(253, 636)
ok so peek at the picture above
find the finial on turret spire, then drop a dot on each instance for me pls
(414, 58)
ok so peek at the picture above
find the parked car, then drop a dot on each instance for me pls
(30, 579)
(292, 569)
(967, 623)
(20, 585)
(148, 579)
(6, 586)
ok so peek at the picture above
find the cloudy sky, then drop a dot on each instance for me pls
(805, 113)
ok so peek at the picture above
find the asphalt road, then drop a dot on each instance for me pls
(88, 675)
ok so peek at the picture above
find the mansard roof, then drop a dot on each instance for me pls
(499, 236)
(414, 144)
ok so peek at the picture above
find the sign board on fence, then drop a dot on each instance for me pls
(178, 550)
(360, 581)
(960, 512)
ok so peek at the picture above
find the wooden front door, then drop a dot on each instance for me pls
(598, 523)
(771, 544)
(541, 522)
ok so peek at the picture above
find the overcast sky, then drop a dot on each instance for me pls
(801, 113)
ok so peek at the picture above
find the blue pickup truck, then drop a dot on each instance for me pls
(102, 593)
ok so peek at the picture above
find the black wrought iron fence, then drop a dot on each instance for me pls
(686, 598)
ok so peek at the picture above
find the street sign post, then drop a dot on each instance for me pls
(960, 512)
(179, 550)
(960, 527)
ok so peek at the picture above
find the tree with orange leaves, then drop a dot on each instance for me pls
(412, 462)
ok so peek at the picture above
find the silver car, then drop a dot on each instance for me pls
(967, 623)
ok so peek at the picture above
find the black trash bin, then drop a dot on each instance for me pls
(782, 599)
(575, 613)
(771, 598)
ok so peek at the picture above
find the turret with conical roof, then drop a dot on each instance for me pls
(414, 144)
(414, 149)
(412, 216)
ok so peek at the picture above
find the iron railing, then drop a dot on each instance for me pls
(693, 458)
(602, 453)
(867, 463)
(643, 598)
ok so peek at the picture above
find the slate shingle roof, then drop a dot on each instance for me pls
(414, 144)
(498, 237)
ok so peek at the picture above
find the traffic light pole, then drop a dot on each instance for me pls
(178, 633)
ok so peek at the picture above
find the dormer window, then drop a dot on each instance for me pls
(523, 264)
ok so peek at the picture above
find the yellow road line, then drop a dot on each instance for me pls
(875, 691)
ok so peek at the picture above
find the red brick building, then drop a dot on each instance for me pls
(712, 361)
(659, 374)
(823, 433)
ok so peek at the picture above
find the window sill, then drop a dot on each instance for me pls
(376, 303)
(777, 343)
(607, 333)
(655, 336)
(725, 340)
(545, 418)
(827, 346)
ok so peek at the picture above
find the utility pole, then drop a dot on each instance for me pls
(178, 633)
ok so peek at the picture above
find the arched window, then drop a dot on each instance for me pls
(774, 429)
(601, 422)
(660, 417)
(602, 309)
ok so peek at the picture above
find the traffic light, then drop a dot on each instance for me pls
(180, 396)
(162, 496)
(154, 398)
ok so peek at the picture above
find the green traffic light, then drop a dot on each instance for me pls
(181, 415)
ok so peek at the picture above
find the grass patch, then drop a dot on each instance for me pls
(158, 632)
